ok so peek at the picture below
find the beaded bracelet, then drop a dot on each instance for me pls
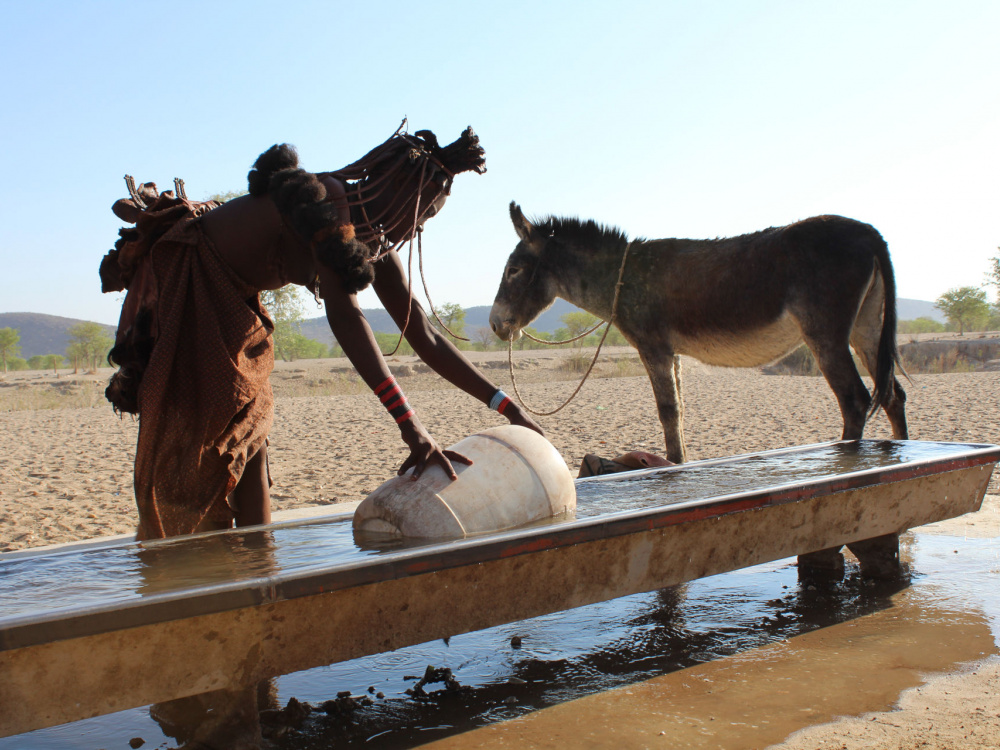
(392, 398)
(499, 401)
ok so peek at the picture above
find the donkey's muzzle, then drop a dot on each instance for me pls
(505, 329)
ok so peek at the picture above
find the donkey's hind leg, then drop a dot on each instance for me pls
(895, 409)
(663, 368)
(680, 400)
(895, 401)
(837, 365)
(865, 339)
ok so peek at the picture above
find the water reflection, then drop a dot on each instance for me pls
(511, 670)
(220, 719)
(204, 560)
(564, 656)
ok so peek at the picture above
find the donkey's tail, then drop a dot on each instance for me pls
(888, 352)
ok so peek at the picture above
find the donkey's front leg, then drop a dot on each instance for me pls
(680, 403)
(663, 367)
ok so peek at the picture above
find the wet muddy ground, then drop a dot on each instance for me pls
(738, 660)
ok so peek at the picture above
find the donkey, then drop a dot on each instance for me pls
(738, 302)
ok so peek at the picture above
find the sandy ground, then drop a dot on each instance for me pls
(65, 463)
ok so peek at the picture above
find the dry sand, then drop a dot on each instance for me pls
(65, 465)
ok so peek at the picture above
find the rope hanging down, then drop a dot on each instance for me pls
(564, 341)
(610, 322)
(409, 262)
(419, 232)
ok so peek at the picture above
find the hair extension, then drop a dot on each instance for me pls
(372, 173)
(130, 354)
(299, 196)
(279, 156)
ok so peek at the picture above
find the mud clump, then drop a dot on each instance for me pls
(345, 704)
(431, 676)
(279, 722)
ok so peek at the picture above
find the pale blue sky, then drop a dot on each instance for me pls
(694, 119)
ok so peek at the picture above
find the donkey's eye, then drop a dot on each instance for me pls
(512, 272)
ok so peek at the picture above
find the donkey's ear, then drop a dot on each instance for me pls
(525, 230)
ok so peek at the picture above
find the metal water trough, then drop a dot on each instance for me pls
(94, 628)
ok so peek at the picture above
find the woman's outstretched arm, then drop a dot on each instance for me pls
(355, 337)
(431, 346)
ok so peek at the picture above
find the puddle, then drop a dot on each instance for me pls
(736, 660)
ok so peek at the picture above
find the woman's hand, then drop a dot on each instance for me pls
(518, 416)
(424, 451)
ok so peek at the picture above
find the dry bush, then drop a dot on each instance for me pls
(58, 394)
(936, 360)
(935, 357)
(576, 363)
(297, 384)
(798, 362)
(970, 355)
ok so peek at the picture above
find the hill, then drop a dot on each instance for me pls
(549, 321)
(42, 334)
(475, 317)
(911, 309)
(48, 334)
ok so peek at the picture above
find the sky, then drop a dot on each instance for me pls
(667, 119)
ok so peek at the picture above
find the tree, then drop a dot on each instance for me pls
(90, 342)
(226, 196)
(285, 307)
(53, 361)
(576, 323)
(993, 274)
(8, 344)
(484, 336)
(387, 342)
(77, 354)
(964, 307)
(920, 325)
(616, 338)
(453, 316)
(297, 345)
(525, 343)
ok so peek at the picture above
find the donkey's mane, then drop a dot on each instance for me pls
(589, 233)
(585, 233)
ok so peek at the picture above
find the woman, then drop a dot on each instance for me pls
(194, 344)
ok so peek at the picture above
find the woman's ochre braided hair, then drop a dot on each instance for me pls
(300, 196)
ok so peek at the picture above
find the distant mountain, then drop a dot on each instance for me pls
(42, 334)
(475, 317)
(549, 321)
(911, 309)
(48, 334)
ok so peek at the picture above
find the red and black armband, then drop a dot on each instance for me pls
(392, 398)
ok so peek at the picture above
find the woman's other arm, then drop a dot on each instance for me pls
(430, 345)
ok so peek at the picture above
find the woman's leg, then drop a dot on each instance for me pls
(251, 500)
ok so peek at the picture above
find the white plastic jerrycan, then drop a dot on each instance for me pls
(517, 477)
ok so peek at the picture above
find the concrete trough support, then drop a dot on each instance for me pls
(111, 651)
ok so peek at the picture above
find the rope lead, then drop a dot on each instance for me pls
(610, 322)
